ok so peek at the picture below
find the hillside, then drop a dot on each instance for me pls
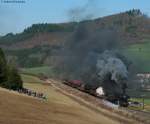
(59, 109)
(42, 44)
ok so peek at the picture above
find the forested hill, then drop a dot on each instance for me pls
(131, 25)
(40, 44)
(34, 30)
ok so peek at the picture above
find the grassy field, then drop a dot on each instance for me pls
(38, 71)
(139, 54)
(146, 101)
(146, 104)
(30, 79)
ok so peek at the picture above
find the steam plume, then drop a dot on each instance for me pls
(109, 63)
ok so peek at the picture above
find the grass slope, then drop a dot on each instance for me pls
(59, 109)
(30, 79)
(139, 54)
(38, 71)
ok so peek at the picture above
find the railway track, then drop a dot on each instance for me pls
(124, 114)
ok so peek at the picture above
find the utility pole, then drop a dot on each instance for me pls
(143, 100)
(143, 103)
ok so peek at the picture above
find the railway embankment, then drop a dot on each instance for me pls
(123, 115)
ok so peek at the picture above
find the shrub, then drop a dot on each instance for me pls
(14, 80)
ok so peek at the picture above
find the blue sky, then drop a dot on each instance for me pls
(14, 17)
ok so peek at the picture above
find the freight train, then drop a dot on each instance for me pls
(121, 100)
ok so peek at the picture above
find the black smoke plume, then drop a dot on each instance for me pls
(90, 55)
(85, 12)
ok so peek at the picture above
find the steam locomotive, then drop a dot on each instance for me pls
(121, 99)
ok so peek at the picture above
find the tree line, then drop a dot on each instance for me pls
(29, 32)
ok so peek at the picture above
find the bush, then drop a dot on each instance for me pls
(14, 80)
